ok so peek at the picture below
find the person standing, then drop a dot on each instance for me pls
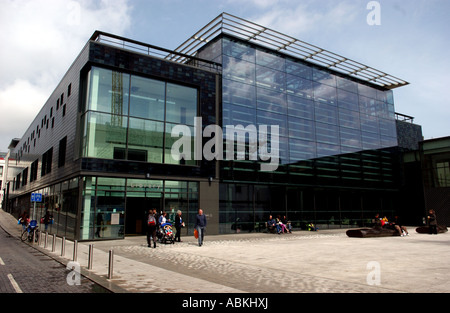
(178, 224)
(151, 228)
(432, 222)
(200, 225)
(48, 219)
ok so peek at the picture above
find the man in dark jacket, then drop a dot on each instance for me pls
(178, 224)
(200, 225)
(152, 223)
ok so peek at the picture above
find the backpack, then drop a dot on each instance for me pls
(151, 220)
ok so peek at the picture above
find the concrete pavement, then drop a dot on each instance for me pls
(326, 261)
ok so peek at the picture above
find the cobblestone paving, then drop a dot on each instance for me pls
(257, 273)
(33, 271)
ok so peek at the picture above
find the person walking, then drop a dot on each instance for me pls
(48, 218)
(151, 228)
(432, 222)
(200, 225)
(178, 224)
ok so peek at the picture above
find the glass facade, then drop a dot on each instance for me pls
(333, 132)
(114, 207)
(319, 113)
(61, 201)
(129, 117)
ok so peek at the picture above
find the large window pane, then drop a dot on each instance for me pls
(326, 113)
(181, 104)
(184, 152)
(147, 98)
(108, 91)
(298, 69)
(238, 50)
(104, 133)
(270, 60)
(301, 150)
(301, 128)
(269, 118)
(270, 79)
(238, 70)
(239, 94)
(299, 86)
(324, 77)
(327, 133)
(300, 107)
(349, 119)
(145, 140)
(272, 101)
(347, 100)
(235, 114)
(324, 93)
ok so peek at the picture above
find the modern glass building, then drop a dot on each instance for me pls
(100, 150)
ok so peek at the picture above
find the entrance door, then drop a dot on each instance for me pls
(137, 210)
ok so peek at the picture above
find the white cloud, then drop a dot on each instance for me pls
(40, 39)
(20, 102)
(296, 18)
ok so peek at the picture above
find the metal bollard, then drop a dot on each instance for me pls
(75, 250)
(110, 265)
(45, 241)
(90, 257)
(63, 246)
(54, 243)
(39, 238)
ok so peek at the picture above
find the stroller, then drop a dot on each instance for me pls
(165, 234)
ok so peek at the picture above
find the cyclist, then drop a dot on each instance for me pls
(24, 220)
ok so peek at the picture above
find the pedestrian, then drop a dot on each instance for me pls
(432, 222)
(48, 218)
(151, 228)
(200, 225)
(178, 224)
(377, 222)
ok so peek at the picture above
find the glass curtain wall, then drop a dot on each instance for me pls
(319, 113)
(245, 207)
(61, 201)
(129, 117)
(115, 207)
(329, 128)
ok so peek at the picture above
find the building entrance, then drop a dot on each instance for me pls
(136, 212)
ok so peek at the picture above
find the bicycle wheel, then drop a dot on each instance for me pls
(24, 235)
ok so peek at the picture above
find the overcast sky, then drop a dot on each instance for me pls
(41, 38)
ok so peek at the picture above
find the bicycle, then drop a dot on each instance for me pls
(30, 231)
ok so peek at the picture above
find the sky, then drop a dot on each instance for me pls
(410, 40)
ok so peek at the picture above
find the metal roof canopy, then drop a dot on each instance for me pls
(228, 24)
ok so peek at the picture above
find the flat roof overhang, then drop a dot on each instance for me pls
(248, 31)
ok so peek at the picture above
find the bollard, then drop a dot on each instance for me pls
(34, 236)
(45, 241)
(90, 257)
(75, 250)
(54, 243)
(110, 265)
(63, 246)
(39, 238)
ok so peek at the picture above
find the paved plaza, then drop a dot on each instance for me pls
(326, 261)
